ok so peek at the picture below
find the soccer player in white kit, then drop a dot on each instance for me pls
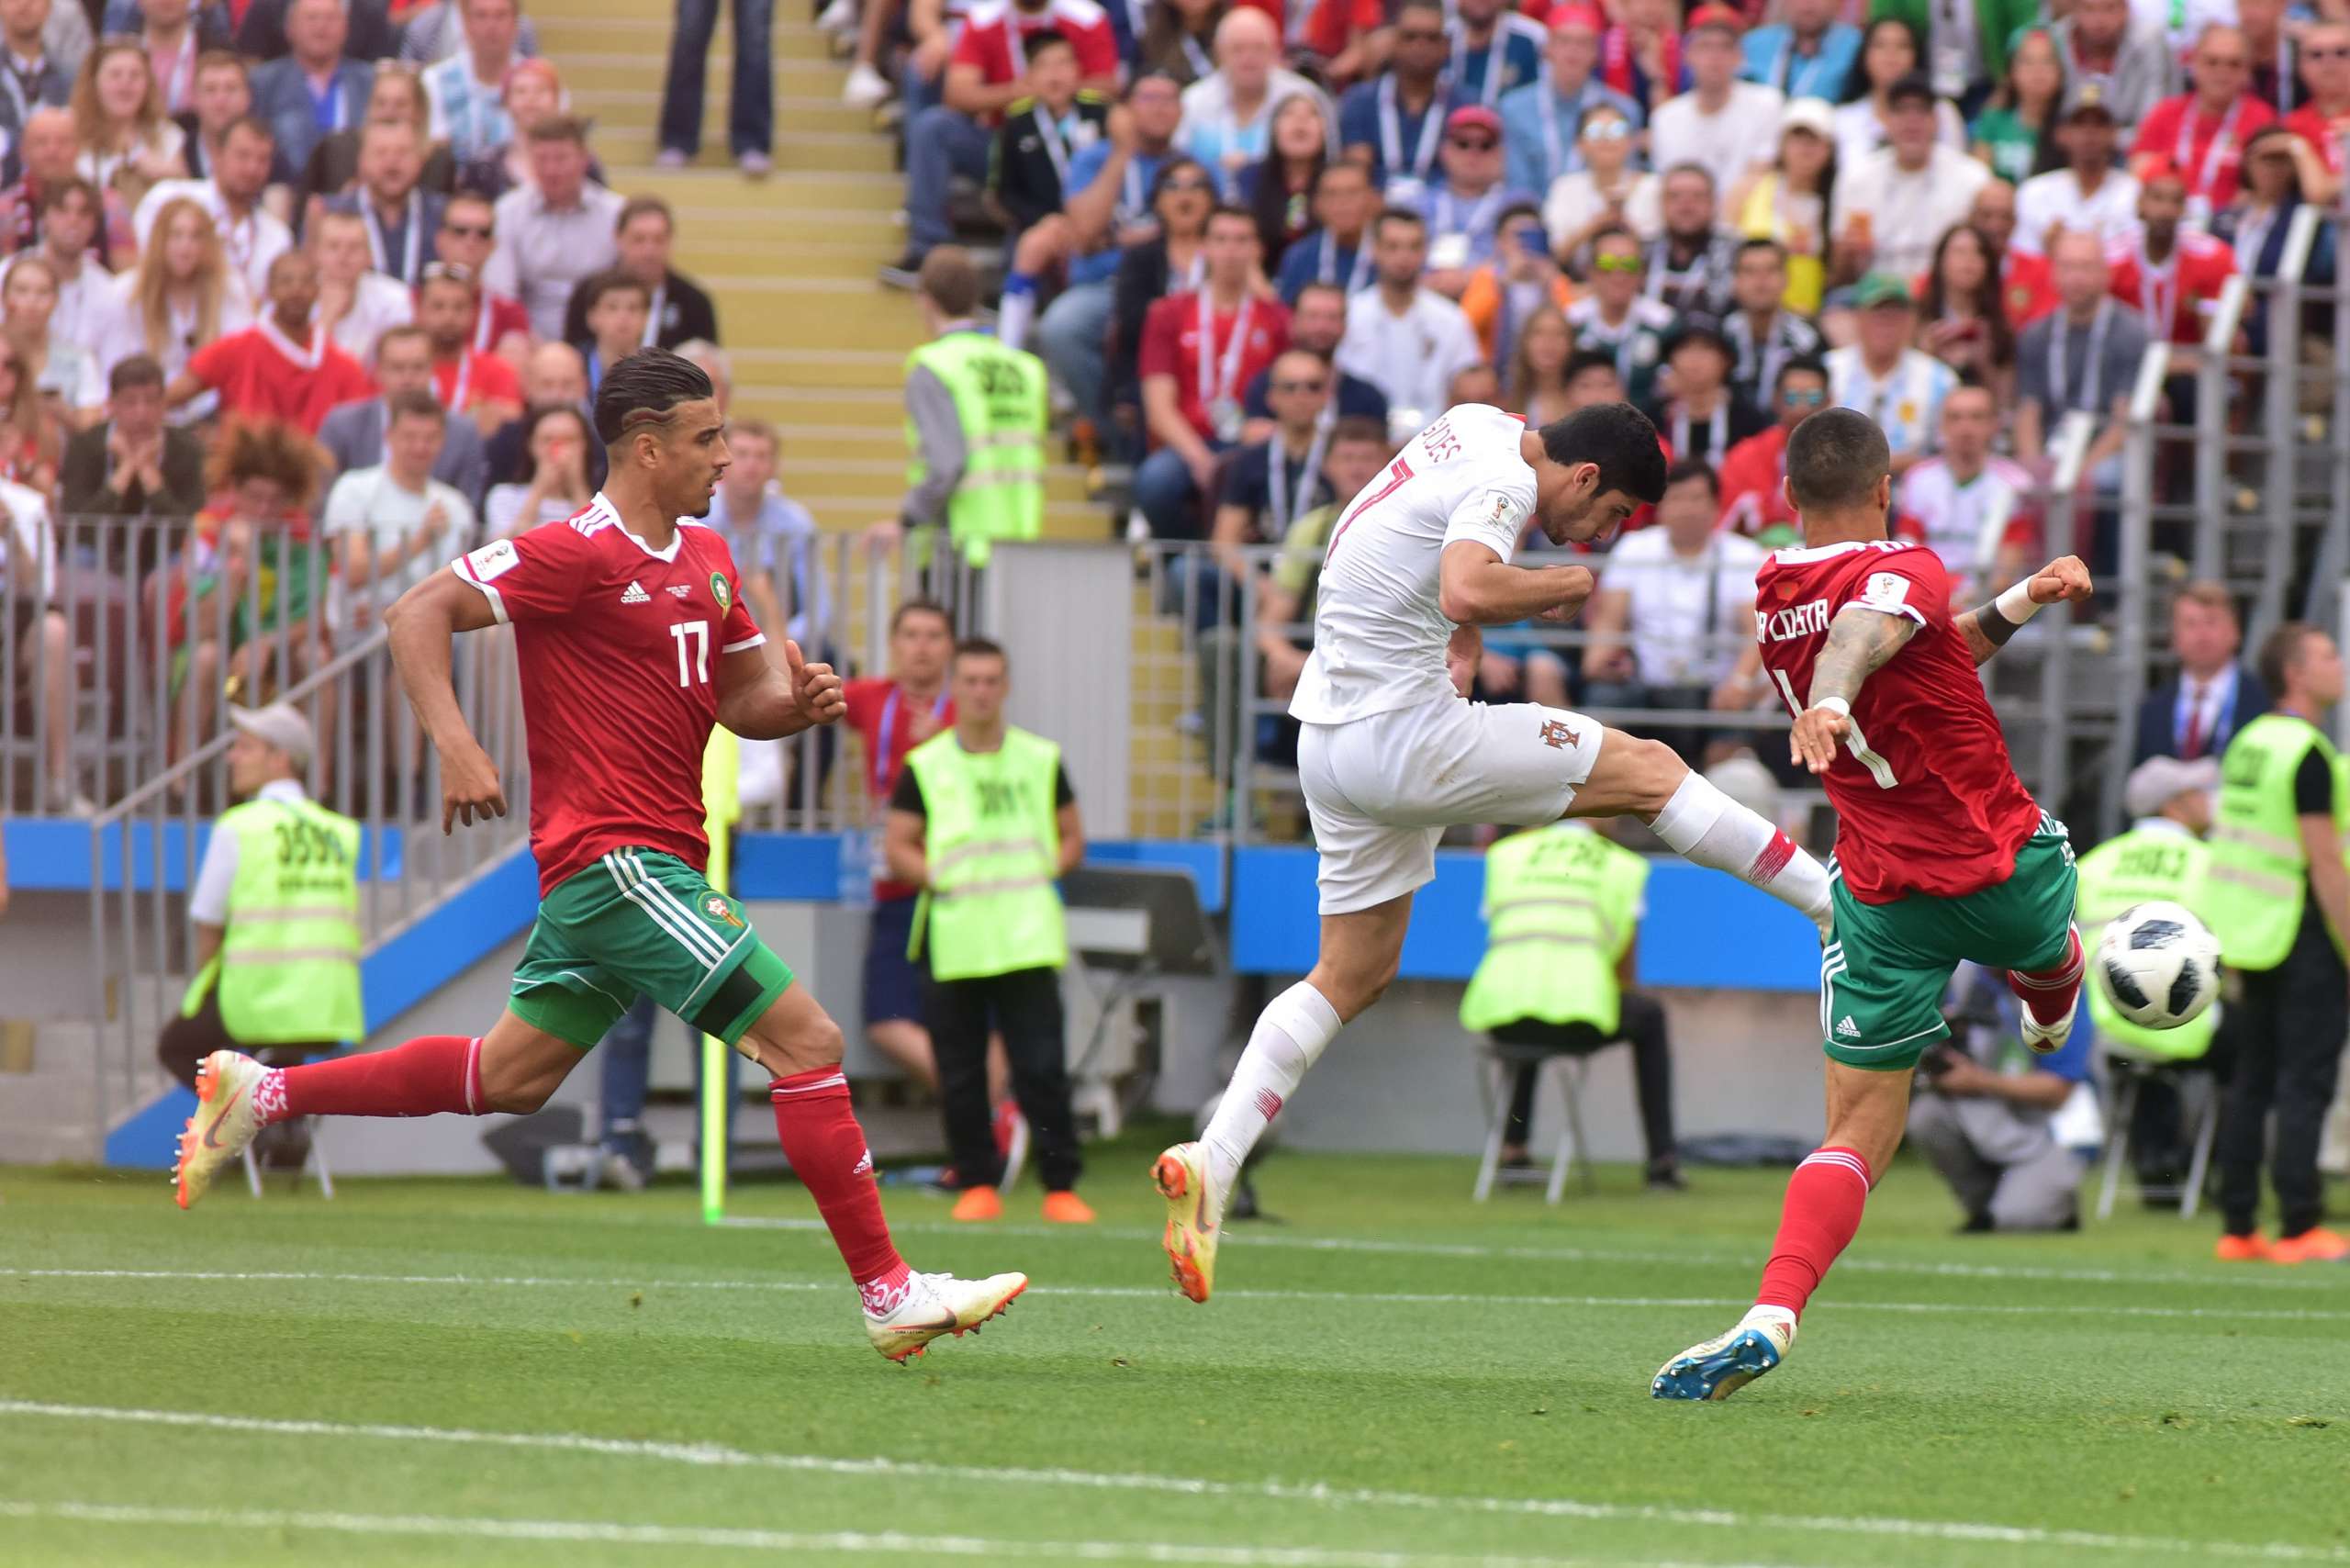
(1391, 753)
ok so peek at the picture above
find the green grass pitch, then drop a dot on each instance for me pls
(462, 1372)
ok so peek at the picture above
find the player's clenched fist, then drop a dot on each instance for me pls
(815, 687)
(1818, 732)
(470, 791)
(2062, 579)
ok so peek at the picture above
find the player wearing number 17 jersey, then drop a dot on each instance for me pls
(632, 643)
(1391, 753)
(1942, 855)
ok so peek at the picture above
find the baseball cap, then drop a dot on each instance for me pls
(1814, 115)
(1574, 16)
(1718, 16)
(2157, 781)
(1472, 117)
(1882, 288)
(2087, 99)
(281, 725)
(1915, 85)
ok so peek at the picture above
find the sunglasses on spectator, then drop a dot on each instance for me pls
(1419, 34)
(1616, 263)
(1299, 385)
(1606, 130)
(1802, 397)
(1185, 183)
(1473, 143)
(469, 230)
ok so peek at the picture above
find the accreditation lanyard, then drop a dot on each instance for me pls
(1055, 145)
(1325, 266)
(1390, 133)
(2059, 382)
(411, 247)
(1201, 66)
(1497, 53)
(1447, 218)
(1662, 274)
(455, 401)
(1216, 380)
(2158, 292)
(1288, 503)
(889, 727)
(1716, 432)
(2222, 141)
(1773, 352)
(1562, 156)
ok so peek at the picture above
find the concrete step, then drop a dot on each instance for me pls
(602, 76)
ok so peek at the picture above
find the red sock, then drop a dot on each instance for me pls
(416, 1078)
(2050, 992)
(1825, 1197)
(826, 1147)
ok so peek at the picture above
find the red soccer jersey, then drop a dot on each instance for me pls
(1170, 346)
(261, 371)
(620, 651)
(2028, 287)
(2187, 288)
(2330, 136)
(2209, 149)
(988, 39)
(1926, 799)
(887, 719)
(464, 383)
(1754, 499)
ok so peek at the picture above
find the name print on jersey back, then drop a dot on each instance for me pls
(1379, 636)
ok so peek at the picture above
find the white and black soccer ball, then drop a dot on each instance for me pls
(2159, 965)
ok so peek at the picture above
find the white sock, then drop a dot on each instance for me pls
(1016, 311)
(1290, 1033)
(1706, 827)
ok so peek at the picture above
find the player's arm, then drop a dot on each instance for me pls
(418, 626)
(902, 848)
(760, 702)
(1988, 629)
(1476, 588)
(1861, 641)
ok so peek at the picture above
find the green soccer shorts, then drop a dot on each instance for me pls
(1883, 976)
(641, 921)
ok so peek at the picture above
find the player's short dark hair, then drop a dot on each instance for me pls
(134, 372)
(647, 383)
(414, 404)
(2280, 651)
(1618, 438)
(1802, 364)
(982, 648)
(1835, 459)
(919, 606)
(1690, 468)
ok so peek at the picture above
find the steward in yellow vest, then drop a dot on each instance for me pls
(976, 421)
(2280, 905)
(1563, 905)
(275, 910)
(983, 821)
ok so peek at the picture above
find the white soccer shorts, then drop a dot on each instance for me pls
(1382, 789)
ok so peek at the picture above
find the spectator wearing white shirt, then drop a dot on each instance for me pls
(773, 537)
(467, 89)
(1607, 192)
(1401, 337)
(2090, 194)
(1723, 124)
(1888, 53)
(1899, 387)
(64, 370)
(252, 238)
(1895, 208)
(393, 525)
(70, 214)
(1972, 505)
(1229, 114)
(1674, 610)
(436, 31)
(555, 231)
(356, 306)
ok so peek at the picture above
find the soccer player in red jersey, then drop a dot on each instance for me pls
(1941, 854)
(632, 642)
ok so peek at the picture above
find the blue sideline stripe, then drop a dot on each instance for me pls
(52, 856)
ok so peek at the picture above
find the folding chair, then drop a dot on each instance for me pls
(2131, 1070)
(1496, 1077)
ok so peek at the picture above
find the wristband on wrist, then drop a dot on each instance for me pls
(2016, 603)
(1835, 705)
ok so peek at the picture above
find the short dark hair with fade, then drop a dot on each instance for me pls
(1618, 438)
(646, 384)
(920, 606)
(2280, 651)
(1835, 459)
(982, 648)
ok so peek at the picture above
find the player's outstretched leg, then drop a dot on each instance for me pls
(1825, 1198)
(1360, 950)
(798, 1043)
(1704, 826)
(2048, 997)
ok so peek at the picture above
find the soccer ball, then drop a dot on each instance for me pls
(2159, 965)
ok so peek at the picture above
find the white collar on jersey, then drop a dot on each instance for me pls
(1796, 554)
(612, 513)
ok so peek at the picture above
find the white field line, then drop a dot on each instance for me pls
(2266, 1279)
(1316, 1493)
(1138, 1292)
(859, 1543)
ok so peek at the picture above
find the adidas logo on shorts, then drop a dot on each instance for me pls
(1846, 1029)
(636, 595)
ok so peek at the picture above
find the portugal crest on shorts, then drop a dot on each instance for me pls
(718, 909)
(718, 591)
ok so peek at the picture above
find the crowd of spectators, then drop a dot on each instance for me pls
(311, 274)
(1232, 225)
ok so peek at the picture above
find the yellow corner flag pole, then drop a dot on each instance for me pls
(721, 764)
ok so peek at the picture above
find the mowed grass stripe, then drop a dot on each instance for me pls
(1315, 1494)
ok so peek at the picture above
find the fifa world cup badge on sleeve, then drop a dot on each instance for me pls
(497, 556)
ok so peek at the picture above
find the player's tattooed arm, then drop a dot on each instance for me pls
(1987, 630)
(1860, 643)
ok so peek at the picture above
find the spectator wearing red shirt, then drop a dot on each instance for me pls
(2027, 287)
(281, 367)
(1754, 475)
(2324, 121)
(2171, 274)
(987, 72)
(2202, 132)
(467, 380)
(894, 713)
(1337, 33)
(1199, 352)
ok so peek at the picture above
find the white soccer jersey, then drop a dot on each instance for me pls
(1379, 638)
